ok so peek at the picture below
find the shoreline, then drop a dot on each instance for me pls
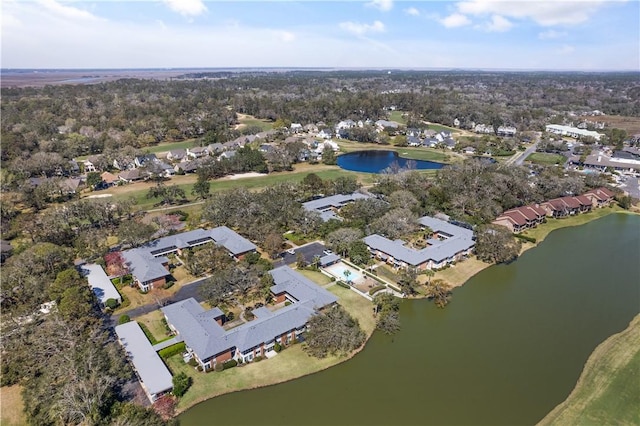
(461, 279)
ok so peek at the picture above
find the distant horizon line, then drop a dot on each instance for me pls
(294, 68)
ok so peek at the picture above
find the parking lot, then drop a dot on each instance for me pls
(308, 251)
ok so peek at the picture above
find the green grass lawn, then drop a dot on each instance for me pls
(289, 364)
(252, 121)
(608, 391)
(397, 117)
(545, 158)
(315, 276)
(143, 203)
(441, 127)
(153, 322)
(168, 146)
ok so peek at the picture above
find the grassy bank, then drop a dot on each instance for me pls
(289, 364)
(11, 406)
(138, 191)
(608, 391)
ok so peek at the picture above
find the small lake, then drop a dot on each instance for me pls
(378, 160)
(507, 349)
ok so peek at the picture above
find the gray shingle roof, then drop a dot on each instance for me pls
(325, 205)
(458, 240)
(153, 373)
(207, 339)
(100, 283)
(300, 287)
(146, 267)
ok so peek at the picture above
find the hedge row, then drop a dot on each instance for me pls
(229, 364)
(524, 237)
(343, 284)
(376, 289)
(172, 350)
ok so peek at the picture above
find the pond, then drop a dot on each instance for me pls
(507, 349)
(376, 161)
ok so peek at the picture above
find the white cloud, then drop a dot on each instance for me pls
(286, 36)
(551, 34)
(67, 12)
(187, 7)
(359, 29)
(383, 5)
(412, 11)
(546, 13)
(455, 20)
(498, 24)
(566, 49)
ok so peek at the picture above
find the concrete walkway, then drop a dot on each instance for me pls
(167, 343)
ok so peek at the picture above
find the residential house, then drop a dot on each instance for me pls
(325, 134)
(149, 266)
(509, 131)
(430, 142)
(311, 128)
(187, 166)
(600, 197)
(91, 164)
(133, 175)
(108, 179)
(145, 160)
(413, 141)
(177, 154)
(469, 150)
(215, 148)
(154, 376)
(100, 283)
(386, 124)
(227, 155)
(521, 218)
(328, 207)
(295, 128)
(197, 152)
(448, 243)
(210, 344)
(74, 168)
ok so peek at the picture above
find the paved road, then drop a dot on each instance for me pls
(187, 291)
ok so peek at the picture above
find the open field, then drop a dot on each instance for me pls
(247, 120)
(289, 364)
(630, 124)
(138, 191)
(546, 158)
(397, 117)
(608, 390)
(11, 406)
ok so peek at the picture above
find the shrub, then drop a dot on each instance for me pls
(172, 350)
(168, 284)
(230, 316)
(182, 215)
(376, 289)
(147, 333)
(181, 383)
(230, 364)
(124, 319)
(199, 367)
(192, 362)
(525, 238)
(277, 347)
(287, 303)
(111, 303)
(219, 367)
(343, 284)
(257, 359)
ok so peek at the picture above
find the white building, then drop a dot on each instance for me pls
(572, 132)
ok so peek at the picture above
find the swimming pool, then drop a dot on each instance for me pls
(338, 271)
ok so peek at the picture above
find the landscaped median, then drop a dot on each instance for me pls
(291, 363)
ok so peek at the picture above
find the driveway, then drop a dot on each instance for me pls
(308, 251)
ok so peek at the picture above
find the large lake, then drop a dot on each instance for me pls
(507, 349)
(376, 161)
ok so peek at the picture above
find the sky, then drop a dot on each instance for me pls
(586, 35)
